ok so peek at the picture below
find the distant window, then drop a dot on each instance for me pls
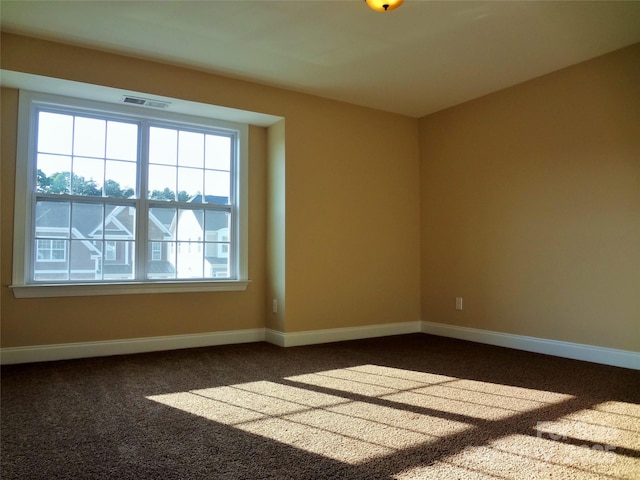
(110, 250)
(156, 251)
(92, 169)
(51, 250)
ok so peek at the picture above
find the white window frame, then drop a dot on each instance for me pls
(23, 253)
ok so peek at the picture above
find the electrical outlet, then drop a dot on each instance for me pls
(458, 303)
(274, 306)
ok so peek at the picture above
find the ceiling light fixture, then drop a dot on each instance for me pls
(383, 5)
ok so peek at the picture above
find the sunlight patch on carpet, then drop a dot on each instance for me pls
(480, 400)
(334, 426)
(598, 438)
(359, 413)
(540, 457)
(487, 462)
(347, 431)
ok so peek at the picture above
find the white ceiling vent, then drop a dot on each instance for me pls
(145, 102)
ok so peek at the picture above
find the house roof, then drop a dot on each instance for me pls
(420, 58)
(216, 199)
(118, 223)
(52, 215)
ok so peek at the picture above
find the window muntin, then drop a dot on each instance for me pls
(89, 166)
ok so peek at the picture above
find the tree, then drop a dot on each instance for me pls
(43, 182)
(113, 189)
(80, 186)
(58, 183)
(168, 194)
(65, 182)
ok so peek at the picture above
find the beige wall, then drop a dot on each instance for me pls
(530, 207)
(351, 202)
(352, 219)
(525, 202)
(276, 221)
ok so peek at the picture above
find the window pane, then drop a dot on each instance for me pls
(217, 244)
(85, 260)
(189, 260)
(119, 222)
(89, 137)
(163, 145)
(218, 152)
(122, 141)
(190, 182)
(119, 260)
(121, 179)
(52, 219)
(51, 262)
(161, 260)
(88, 176)
(86, 221)
(190, 224)
(162, 182)
(191, 149)
(216, 220)
(55, 133)
(217, 187)
(162, 223)
(217, 260)
(53, 175)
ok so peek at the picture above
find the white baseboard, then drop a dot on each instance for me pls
(589, 353)
(312, 337)
(576, 351)
(65, 351)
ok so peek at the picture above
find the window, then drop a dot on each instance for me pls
(111, 194)
(110, 250)
(156, 251)
(51, 250)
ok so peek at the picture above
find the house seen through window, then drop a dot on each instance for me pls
(116, 196)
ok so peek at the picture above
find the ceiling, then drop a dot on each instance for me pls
(418, 59)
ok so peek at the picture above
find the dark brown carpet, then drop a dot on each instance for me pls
(405, 407)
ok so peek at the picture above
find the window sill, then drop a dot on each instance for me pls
(92, 289)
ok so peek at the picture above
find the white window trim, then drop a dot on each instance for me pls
(95, 289)
(22, 214)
